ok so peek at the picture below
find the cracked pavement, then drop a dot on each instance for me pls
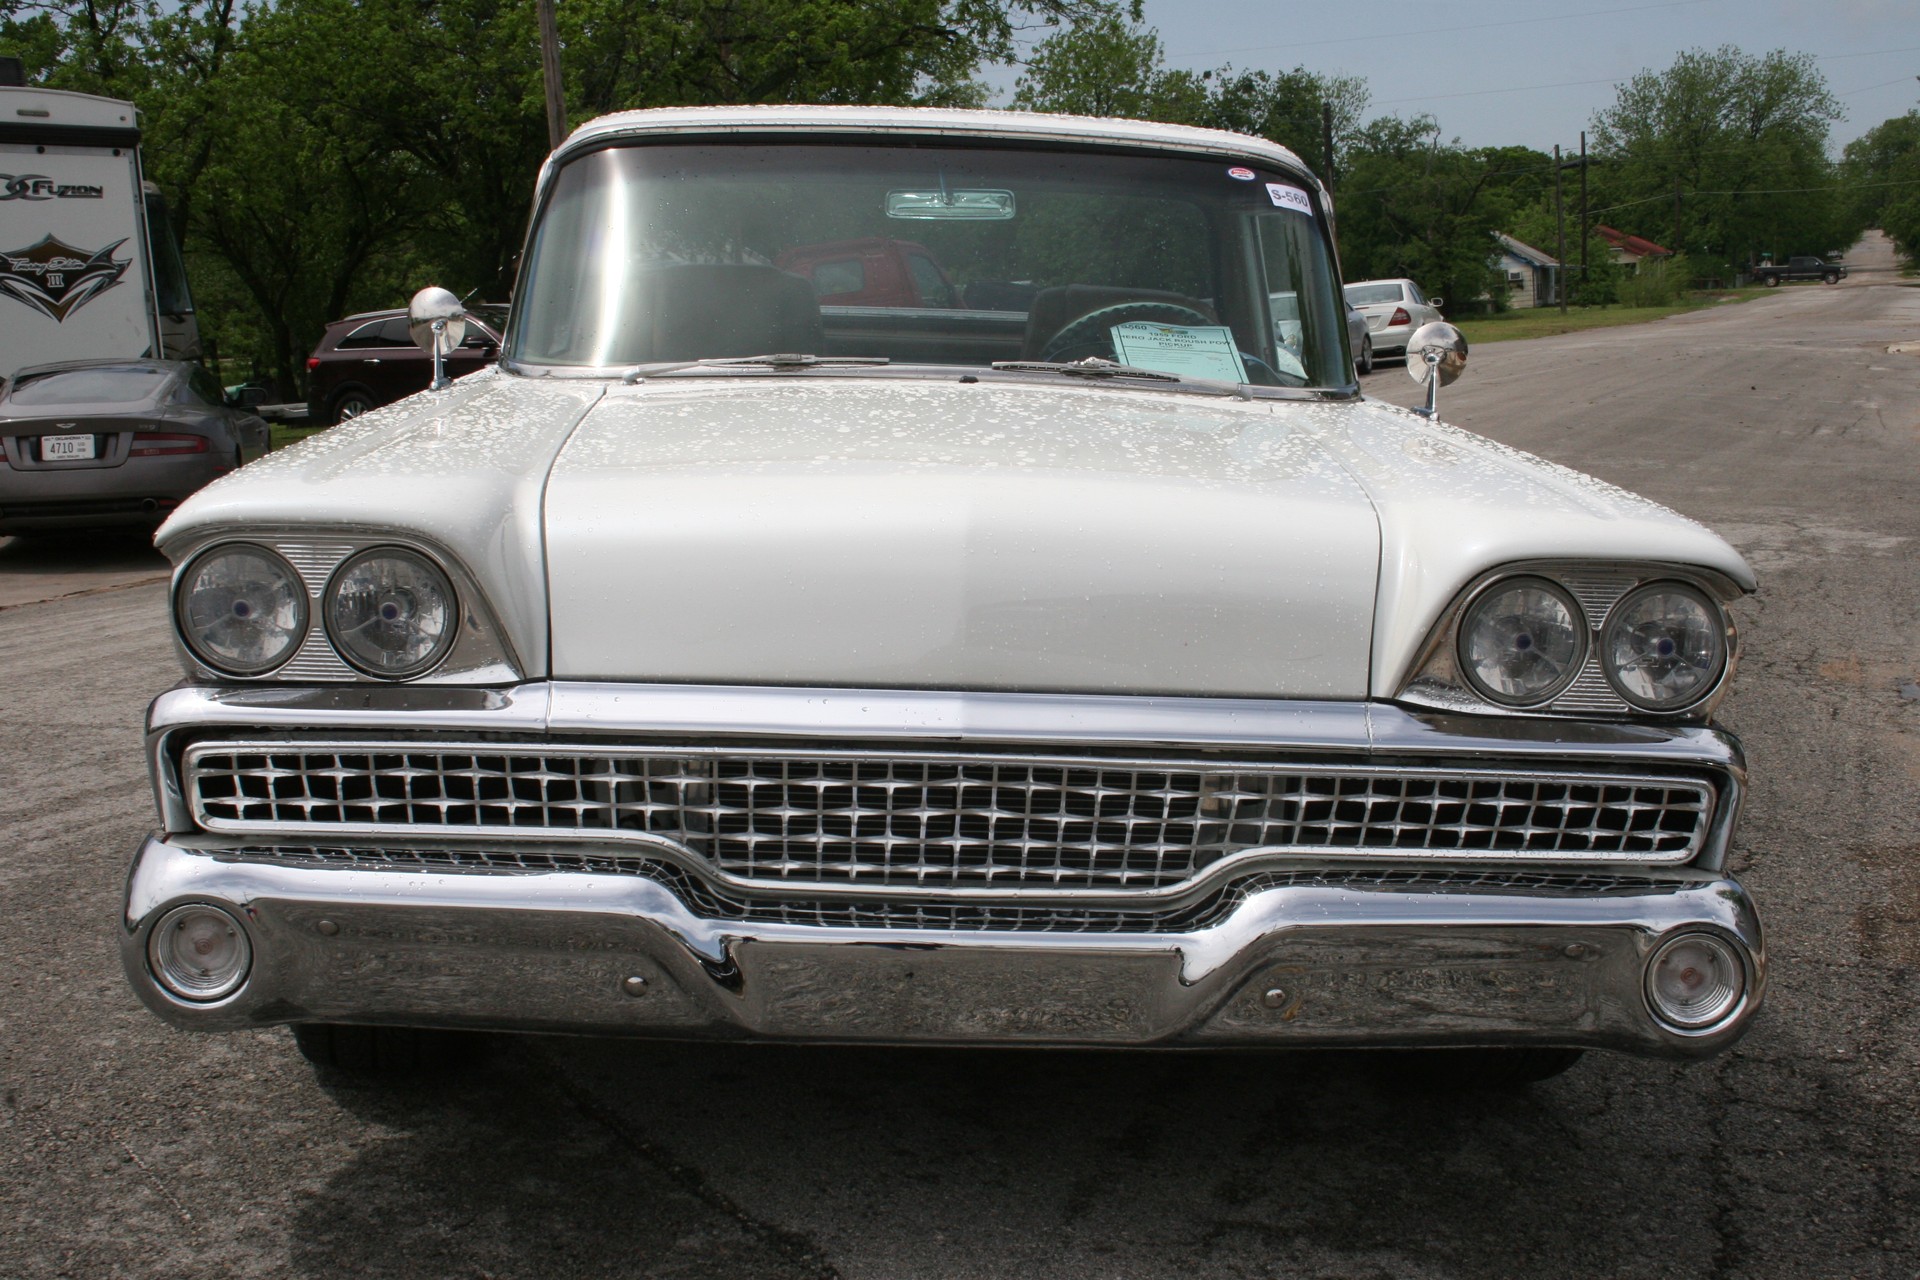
(129, 1149)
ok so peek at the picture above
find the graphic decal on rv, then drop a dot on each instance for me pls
(57, 279)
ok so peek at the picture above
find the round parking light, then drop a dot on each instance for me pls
(199, 952)
(1695, 981)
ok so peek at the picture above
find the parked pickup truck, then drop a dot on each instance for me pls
(1799, 268)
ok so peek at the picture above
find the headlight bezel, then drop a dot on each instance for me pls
(483, 653)
(1462, 634)
(443, 647)
(183, 580)
(1436, 676)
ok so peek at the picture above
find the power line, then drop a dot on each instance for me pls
(1434, 31)
(1777, 191)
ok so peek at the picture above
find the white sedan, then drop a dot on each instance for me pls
(1394, 310)
(1078, 659)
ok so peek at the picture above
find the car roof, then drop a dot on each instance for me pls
(925, 121)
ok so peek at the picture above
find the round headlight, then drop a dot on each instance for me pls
(199, 952)
(1522, 641)
(1664, 647)
(1694, 981)
(390, 612)
(241, 609)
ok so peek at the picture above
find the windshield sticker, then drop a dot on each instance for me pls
(1245, 175)
(1290, 198)
(57, 279)
(1191, 351)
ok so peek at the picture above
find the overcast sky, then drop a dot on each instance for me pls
(1534, 71)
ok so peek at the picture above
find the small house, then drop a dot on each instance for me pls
(1533, 277)
(1630, 251)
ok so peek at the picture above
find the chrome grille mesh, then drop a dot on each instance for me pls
(933, 820)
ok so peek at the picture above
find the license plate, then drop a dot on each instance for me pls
(65, 448)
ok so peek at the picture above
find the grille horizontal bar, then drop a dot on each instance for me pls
(943, 820)
(1187, 917)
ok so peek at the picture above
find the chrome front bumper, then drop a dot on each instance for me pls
(1289, 959)
(605, 954)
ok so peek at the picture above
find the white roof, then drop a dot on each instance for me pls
(932, 121)
(61, 107)
(1525, 251)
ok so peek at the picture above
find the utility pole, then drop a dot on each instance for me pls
(550, 72)
(1675, 246)
(1326, 139)
(1560, 216)
(1586, 228)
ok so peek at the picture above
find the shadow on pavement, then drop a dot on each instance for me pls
(45, 566)
(627, 1158)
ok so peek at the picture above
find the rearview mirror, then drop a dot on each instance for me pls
(964, 206)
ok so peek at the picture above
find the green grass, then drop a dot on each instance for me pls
(1544, 322)
(286, 433)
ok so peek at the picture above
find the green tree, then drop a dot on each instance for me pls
(1741, 139)
(1414, 206)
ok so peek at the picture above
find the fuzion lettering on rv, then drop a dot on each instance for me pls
(38, 186)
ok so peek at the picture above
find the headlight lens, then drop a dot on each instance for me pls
(1522, 641)
(241, 609)
(1664, 647)
(391, 612)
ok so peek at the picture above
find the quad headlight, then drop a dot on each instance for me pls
(1664, 646)
(241, 609)
(391, 612)
(1522, 641)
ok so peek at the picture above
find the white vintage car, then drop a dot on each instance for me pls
(900, 584)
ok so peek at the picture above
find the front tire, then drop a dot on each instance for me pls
(386, 1051)
(1832, 277)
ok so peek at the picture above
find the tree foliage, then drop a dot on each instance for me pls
(1742, 140)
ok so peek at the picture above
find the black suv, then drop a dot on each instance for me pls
(369, 360)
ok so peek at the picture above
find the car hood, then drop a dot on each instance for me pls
(954, 536)
(879, 531)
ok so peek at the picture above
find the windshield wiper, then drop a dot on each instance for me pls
(1091, 367)
(1097, 367)
(780, 360)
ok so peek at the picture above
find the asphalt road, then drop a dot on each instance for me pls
(128, 1149)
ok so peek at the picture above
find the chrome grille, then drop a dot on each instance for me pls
(940, 820)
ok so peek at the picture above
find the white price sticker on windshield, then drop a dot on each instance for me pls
(1290, 198)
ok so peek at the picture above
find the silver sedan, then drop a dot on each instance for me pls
(1394, 309)
(95, 443)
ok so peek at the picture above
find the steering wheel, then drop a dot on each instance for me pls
(1088, 335)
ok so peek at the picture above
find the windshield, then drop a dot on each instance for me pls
(931, 255)
(107, 384)
(1363, 295)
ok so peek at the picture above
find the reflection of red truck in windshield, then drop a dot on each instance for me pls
(873, 272)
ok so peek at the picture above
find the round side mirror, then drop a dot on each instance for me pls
(1436, 303)
(1436, 348)
(436, 316)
